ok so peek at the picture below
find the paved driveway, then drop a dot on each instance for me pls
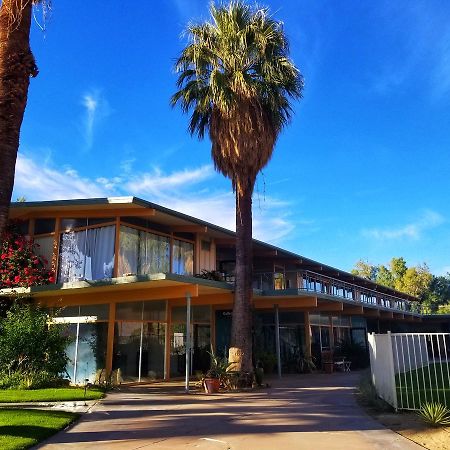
(299, 412)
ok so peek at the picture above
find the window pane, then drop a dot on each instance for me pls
(87, 254)
(183, 258)
(127, 341)
(99, 311)
(91, 356)
(129, 311)
(201, 314)
(143, 253)
(155, 311)
(128, 251)
(45, 249)
(153, 339)
(43, 226)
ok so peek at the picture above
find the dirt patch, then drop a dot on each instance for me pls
(413, 428)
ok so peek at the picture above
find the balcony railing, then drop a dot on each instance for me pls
(306, 281)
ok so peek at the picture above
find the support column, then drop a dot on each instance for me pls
(110, 339)
(307, 336)
(277, 339)
(188, 341)
(167, 342)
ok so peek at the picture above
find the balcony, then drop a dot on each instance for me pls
(304, 281)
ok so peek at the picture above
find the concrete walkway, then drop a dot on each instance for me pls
(298, 412)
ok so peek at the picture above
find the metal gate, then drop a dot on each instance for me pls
(410, 369)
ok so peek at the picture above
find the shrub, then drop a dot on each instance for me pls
(32, 353)
(20, 264)
(435, 414)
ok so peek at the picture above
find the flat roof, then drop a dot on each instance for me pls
(172, 217)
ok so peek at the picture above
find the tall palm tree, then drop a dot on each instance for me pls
(236, 80)
(17, 65)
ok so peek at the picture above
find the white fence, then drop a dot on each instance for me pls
(409, 369)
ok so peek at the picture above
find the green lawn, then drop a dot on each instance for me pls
(48, 395)
(22, 428)
(426, 384)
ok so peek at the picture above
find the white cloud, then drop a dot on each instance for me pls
(35, 182)
(187, 191)
(156, 182)
(96, 108)
(414, 230)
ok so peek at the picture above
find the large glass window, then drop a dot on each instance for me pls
(141, 252)
(183, 257)
(139, 340)
(86, 254)
(87, 348)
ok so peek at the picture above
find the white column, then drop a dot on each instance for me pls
(188, 341)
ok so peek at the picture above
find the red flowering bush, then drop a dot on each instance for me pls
(20, 264)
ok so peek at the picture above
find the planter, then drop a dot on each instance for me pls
(328, 367)
(212, 385)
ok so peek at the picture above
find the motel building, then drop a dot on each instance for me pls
(126, 271)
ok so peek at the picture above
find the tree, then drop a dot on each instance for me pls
(17, 65)
(237, 81)
(437, 299)
(365, 270)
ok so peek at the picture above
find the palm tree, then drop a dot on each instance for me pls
(17, 65)
(237, 81)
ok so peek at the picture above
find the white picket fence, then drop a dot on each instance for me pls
(409, 369)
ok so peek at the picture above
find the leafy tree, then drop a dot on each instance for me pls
(365, 270)
(437, 299)
(385, 276)
(32, 353)
(17, 65)
(416, 281)
(398, 268)
(236, 79)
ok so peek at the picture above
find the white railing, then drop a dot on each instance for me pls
(410, 369)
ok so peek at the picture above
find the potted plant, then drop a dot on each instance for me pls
(217, 373)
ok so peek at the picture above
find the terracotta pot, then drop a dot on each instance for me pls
(328, 367)
(212, 385)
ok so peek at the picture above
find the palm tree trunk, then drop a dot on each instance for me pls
(241, 329)
(16, 66)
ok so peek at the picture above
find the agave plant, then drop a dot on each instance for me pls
(436, 414)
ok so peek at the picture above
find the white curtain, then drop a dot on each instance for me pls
(87, 254)
(142, 253)
(183, 258)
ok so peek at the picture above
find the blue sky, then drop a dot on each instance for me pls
(362, 171)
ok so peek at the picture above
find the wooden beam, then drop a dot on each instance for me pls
(399, 316)
(213, 299)
(353, 310)
(329, 306)
(110, 338)
(225, 242)
(265, 253)
(189, 229)
(70, 213)
(291, 302)
(75, 297)
(386, 315)
(371, 312)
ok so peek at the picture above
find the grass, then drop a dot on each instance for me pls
(22, 428)
(425, 384)
(49, 395)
